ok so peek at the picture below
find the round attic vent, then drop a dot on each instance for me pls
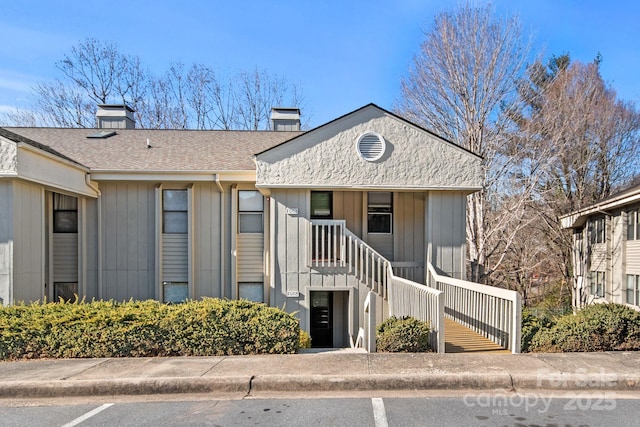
(371, 146)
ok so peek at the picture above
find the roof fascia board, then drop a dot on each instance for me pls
(570, 220)
(185, 176)
(60, 188)
(370, 187)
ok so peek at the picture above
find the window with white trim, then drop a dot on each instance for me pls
(633, 289)
(380, 212)
(597, 283)
(250, 211)
(175, 211)
(597, 230)
(633, 224)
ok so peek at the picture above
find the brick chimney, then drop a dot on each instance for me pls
(115, 116)
(285, 119)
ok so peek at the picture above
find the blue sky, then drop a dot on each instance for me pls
(344, 54)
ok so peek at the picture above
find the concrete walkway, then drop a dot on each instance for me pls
(460, 339)
(321, 372)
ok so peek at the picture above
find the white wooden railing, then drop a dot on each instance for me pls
(334, 246)
(492, 312)
(407, 298)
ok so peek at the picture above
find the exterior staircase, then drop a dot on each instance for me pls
(478, 317)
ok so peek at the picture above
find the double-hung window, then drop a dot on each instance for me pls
(65, 220)
(633, 224)
(597, 283)
(633, 289)
(250, 211)
(380, 212)
(175, 212)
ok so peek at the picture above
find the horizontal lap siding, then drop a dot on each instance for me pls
(598, 257)
(633, 257)
(65, 257)
(250, 253)
(175, 256)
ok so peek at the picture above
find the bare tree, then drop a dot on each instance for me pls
(462, 78)
(590, 138)
(96, 72)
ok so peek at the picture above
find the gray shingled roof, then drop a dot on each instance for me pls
(19, 138)
(171, 150)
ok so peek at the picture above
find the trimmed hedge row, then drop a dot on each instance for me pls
(209, 327)
(598, 327)
(403, 334)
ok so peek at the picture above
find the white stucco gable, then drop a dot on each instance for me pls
(328, 157)
(8, 157)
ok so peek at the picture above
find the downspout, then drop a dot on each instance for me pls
(95, 188)
(222, 236)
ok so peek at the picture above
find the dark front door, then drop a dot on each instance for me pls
(321, 319)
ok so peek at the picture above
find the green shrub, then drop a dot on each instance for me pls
(598, 327)
(404, 334)
(531, 324)
(305, 339)
(145, 328)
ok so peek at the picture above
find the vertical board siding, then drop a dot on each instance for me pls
(382, 243)
(250, 253)
(65, 257)
(409, 229)
(633, 257)
(128, 212)
(207, 240)
(447, 238)
(28, 250)
(175, 257)
(6, 242)
(91, 249)
(347, 205)
(292, 271)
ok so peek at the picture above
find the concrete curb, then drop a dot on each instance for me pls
(501, 382)
(282, 383)
(125, 386)
(576, 381)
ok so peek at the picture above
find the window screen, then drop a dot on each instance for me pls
(380, 212)
(321, 205)
(251, 291)
(175, 209)
(65, 214)
(250, 211)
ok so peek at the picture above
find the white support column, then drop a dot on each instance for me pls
(370, 322)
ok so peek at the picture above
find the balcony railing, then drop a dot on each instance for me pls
(334, 246)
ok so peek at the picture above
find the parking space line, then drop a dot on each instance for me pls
(88, 415)
(379, 414)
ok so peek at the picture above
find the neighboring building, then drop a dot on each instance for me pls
(124, 213)
(606, 250)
